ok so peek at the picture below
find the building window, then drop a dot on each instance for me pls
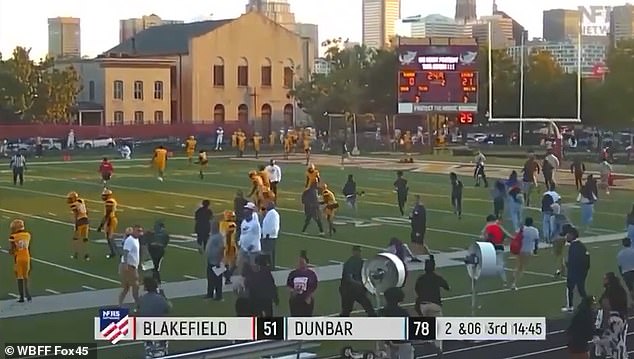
(219, 114)
(158, 90)
(138, 117)
(91, 91)
(118, 90)
(266, 76)
(138, 90)
(288, 77)
(118, 118)
(243, 114)
(289, 115)
(158, 117)
(219, 72)
(243, 72)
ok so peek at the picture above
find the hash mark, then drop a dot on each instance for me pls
(52, 214)
(335, 262)
(14, 295)
(52, 291)
(190, 276)
(87, 287)
(180, 206)
(159, 207)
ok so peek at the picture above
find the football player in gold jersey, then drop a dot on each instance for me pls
(202, 162)
(257, 144)
(228, 230)
(330, 207)
(190, 147)
(109, 220)
(20, 249)
(312, 176)
(80, 218)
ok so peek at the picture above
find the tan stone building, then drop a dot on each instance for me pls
(223, 70)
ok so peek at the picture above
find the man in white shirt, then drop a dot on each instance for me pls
(554, 163)
(129, 267)
(220, 133)
(275, 175)
(126, 152)
(250, 236)
(270, 231)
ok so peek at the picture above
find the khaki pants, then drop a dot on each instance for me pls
(432, 310)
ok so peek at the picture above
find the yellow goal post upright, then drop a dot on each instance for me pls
(521, 120)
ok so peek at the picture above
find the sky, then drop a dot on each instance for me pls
(24, 22)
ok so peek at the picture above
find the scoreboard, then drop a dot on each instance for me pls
(438, 78)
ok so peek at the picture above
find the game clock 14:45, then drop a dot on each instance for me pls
(495, 328)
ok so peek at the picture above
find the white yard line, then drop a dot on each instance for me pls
(52, 291)
(189, 276)
(335, 262)
(73, 270)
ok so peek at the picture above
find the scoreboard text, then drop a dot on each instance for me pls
(438, 79)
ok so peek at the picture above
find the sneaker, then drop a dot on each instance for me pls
(29, 299)
(21, 300)
(160, 179)
(110, 256)
(513, 287)
(567, 309)
(87, 258)
(557, 274)
(73, 256)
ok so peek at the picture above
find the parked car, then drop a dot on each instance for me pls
(17, 145)
(476, 137)
(98, 142)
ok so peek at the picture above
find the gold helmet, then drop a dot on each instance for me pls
(256, 134)
(252, 174)
(106, 194)
(72, 197)
(229, 215)
(191, 137)
(16, 225)
(323, 186)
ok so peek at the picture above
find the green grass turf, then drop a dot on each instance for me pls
(143, 199)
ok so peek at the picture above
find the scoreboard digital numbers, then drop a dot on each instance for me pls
(438, 79)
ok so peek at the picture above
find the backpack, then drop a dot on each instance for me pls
(516, 242)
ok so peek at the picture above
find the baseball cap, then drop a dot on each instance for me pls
(251, 206)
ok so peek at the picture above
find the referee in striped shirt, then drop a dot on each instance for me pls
(18, 166)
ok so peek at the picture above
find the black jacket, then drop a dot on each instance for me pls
(203, 218)
(581, 330)
(310, 200)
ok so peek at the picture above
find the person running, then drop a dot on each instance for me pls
(498, 193)
(478, 172)
(401, 189)
(578, 168)
(529, 177)
(516, 207)
(456, 194)
(494, 233)
(530, 238)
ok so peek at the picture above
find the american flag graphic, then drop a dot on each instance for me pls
(116, 331)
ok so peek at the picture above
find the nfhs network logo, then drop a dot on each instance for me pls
(115, 325)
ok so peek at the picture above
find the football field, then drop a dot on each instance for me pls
(67, 292)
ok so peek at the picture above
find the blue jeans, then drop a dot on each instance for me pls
(630, 232)
(516, 218)
(587, 211)
(547, 227)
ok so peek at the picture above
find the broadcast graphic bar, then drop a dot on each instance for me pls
(322, 328)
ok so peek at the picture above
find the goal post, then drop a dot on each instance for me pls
(521, 120)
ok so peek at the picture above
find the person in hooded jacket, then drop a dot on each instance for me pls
(157, 241)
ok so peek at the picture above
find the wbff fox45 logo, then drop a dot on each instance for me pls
(114, 325)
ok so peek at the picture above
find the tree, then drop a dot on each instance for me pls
(37, 91)
(505, 77)
(618, 88)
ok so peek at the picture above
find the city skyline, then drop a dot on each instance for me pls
(100, 21)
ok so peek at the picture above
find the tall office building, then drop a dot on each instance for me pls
(501, 31)
(520, 35)
(64, 37)
(276, 10)
(130, 27)
(621, 23)
(466, 11)
(310, 31)
(379, 21)
(436, 26)
(560, 25)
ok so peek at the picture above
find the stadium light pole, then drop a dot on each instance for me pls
(521, 124)
(579, 57)
(490, 55)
